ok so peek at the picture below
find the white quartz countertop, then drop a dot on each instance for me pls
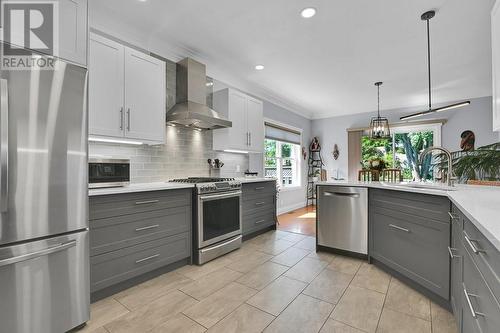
(139, 187)
(245, 180)
(480, 204)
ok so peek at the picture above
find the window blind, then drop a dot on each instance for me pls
(279, 133)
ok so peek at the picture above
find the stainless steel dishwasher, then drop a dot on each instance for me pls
(343, 218)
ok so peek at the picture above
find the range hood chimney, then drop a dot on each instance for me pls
(191, 109)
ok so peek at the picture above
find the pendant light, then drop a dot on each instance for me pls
(427, 17)
(379, 126)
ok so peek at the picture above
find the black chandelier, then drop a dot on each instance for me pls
(379, 126)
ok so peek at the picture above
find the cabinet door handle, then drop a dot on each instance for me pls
(259, 188)
(450, 251)
(250, 138)
(148, 227)
(473, 312)
(128, 119)
(471, 244)
(147, 258)
(453, 216)
(393, 226)
(146, 202)
(260, 222)
(121, 118)
(259, 203)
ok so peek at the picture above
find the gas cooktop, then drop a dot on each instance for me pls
(206, 185)
(199, 180)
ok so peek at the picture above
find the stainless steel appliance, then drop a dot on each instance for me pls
(343, 218)
(191, 109)
(108, 172)
(216, 215)
(44, 253)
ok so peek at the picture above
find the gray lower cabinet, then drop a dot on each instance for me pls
(259, 206)
(475, 285)
(410, 233)
(135, 233)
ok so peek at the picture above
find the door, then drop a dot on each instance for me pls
(343, 218)
(73, 30)
(255, 121)
(106, 81)
(45, 285)
(145, 108)
(238, 133)
(43, 152)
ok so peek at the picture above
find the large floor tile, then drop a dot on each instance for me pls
(179, 323)
(345, 264)
(276, 296)
(407, 300)
(103, 312)
(262, 275)
(247, 263)
(308, 243)
(306, 270)
(246, 319)
(293, 237)
(443, 321)
(328, 286)
(359, 308)
(195, 272)
(153, 314)
(333, 326)
(290, 256)
(324, 256)
(371, 277)
(274, 247)
(305, 314)
(97, 330)
(150, 290)
(210, 283)
(218, 305)
(397, 322)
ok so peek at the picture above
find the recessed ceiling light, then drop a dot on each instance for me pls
(259, 67)
(308, 12)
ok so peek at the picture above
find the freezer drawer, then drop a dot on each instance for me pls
(44, 285)
(343, 218)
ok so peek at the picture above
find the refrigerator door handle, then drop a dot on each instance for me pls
(4, 146)
(36, 254)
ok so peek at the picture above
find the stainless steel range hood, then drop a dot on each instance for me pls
(191, 109)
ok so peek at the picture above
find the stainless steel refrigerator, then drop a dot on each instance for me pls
(44, 259)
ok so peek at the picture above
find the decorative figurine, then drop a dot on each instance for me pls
(336, 152)
(304, 153)
(468, 141)
(315, 146)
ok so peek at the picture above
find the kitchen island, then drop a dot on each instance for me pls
(444, 242)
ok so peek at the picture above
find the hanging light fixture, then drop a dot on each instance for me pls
(427, 17)
(379, 126)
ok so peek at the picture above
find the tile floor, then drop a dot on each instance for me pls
(274, 283)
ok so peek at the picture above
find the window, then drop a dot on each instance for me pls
(402, 150)
(282, 155)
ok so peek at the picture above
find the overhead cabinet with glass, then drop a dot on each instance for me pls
(247, 116)
(126, 93)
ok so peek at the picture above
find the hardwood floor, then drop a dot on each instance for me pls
(300, 221)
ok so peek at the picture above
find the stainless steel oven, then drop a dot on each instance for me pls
(108, 172)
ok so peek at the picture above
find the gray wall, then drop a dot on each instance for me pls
(476, 117)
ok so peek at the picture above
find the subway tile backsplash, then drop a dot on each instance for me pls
(184, 154)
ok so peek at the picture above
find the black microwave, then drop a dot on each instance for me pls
(108, 172)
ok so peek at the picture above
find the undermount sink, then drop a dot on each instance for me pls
(427, 186)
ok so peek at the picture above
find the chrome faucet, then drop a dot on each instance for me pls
(449, 175)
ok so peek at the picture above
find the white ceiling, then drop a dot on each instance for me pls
(325, 66)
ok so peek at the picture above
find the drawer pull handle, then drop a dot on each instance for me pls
(148, 227)
(259, 203)
(473, 312)
(260, 222)
(452, 255)
(147, 202)
(259, 188)
(453, 216)
(471, 244)
(399, 228)
(147, 258)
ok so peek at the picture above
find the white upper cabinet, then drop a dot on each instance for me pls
(73, 30)
(126, 93)
(495, 44)
(246, 114)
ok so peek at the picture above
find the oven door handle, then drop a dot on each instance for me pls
(220, 196)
